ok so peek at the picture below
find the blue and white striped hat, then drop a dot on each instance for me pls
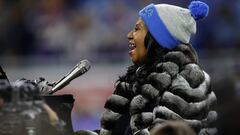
(172, 25)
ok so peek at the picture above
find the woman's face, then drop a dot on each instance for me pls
(138, 52)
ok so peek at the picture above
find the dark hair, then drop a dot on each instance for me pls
(155, 52)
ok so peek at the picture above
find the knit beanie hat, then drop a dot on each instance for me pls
(172, 25)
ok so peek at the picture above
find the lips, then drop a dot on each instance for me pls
(132, 46)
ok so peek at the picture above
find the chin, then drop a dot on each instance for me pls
(134, 62)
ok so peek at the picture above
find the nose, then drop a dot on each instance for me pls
(130, 35)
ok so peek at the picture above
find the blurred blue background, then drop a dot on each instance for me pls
(46, 38)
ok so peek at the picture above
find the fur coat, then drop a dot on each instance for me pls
(174, 89)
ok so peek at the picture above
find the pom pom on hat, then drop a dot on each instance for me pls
(199, 10)
(172, 25)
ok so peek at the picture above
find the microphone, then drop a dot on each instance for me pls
(81, 68)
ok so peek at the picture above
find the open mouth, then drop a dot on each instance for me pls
(132, 46)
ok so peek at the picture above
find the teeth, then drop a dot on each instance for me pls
(132, 46)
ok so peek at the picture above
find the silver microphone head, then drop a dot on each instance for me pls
(84, 65)
(81, 68)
